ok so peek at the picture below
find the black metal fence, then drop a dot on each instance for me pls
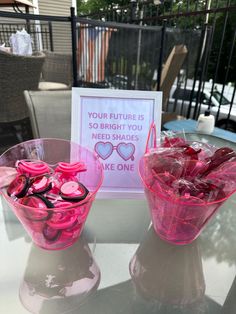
(41, 33)
(125, 57)
(207, 79)
(132, 53)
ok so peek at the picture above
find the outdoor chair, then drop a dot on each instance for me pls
(17, 73)
(56, 72)
(50, 113)
(169, 73)
(171, 70)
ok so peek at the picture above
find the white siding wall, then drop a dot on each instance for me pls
(10, 9)
(8, 20)
(53, 7)
(61, 30)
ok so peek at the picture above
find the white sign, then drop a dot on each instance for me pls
(115, 124)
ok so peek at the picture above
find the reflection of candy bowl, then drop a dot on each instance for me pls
(167, 273)
(59, 281)
(185, 183)
(52, 193)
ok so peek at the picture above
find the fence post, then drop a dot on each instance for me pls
(27, 20)
(74, 45)
(197, 70)
(163, 31)
(133, 4)
(50, 35)
(202, 68)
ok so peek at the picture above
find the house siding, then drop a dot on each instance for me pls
(52, 7)
(10, 9)
(3, 20)
(61, 30)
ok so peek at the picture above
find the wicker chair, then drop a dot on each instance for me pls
(56, 72)
(17, 73)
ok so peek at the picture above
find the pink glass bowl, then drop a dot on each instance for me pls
(55, 228)
(178, 219)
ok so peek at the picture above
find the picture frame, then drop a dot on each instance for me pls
(115, 124)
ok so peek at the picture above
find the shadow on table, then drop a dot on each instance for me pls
(59, 281)
(165, 279)
(229, 306)
(122, 298)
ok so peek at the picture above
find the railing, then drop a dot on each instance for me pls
(59, 35)
(137, 52)
(126, 57)
(41, 33)
(208, 31)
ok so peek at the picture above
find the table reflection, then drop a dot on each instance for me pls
(13, 227)
(170, 275)
(218, 238)
(59, 281)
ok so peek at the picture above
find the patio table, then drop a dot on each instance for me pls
(189, 126)
(119, 265)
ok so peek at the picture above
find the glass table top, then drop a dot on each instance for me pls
(120, 265)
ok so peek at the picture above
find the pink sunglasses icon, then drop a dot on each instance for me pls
(124, 150)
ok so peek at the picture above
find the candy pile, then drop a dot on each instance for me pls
(191, 170)
(51, 197)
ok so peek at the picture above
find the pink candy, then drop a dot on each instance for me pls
(192, 170)
(50, 196)
(36, 177)
(185, 184)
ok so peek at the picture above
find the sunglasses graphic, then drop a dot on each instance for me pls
(124, 150)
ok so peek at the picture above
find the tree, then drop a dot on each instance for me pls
(227, 37)
(182, 22)
(94, 6)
